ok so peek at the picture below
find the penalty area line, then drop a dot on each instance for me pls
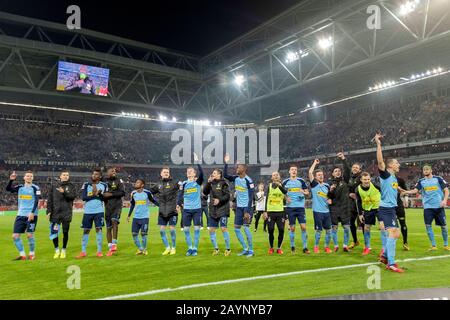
(269, 276)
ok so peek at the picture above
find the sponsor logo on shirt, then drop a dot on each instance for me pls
(190, 190)
(322, 194)
(240, 188)
(395, 185)
(25, 197)
(294, 189)
(141, 202)
(368, 200)
(275, 201)
(431, 188)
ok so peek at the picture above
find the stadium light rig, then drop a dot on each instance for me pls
(312, 105)
(408, 7)
(325, 43)
(205, 123)
(135, 115)
(430, 73)
(383, 85)
(405, 80)
(239, 80)
(293, 56)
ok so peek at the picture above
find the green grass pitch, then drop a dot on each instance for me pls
(125, 273)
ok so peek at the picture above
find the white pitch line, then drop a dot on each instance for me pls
(277, 275)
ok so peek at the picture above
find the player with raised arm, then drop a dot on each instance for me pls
(295, 206)
(27, 212)
(320, 205)
(219, 209)
(435, 193)
(245, 189)
(140, 204)
(166, 190)
(189, 198)
(388, 205)
(94, 210)
(353, 183)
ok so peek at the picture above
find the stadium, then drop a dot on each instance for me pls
(320, 86)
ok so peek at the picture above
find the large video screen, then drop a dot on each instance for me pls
(81, 78)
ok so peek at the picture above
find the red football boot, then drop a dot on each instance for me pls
(395, 268)
(81, 255)
(20, 258)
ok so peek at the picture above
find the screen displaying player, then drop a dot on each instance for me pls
(82, 78)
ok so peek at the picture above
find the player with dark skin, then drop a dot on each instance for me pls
(241, 171)
(95, 178)
(114, 203)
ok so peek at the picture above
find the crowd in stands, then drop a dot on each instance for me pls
(402, 124)
(24, 140)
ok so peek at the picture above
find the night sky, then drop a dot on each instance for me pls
(194, 26)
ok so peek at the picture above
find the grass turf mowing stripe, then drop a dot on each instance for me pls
(278, 275)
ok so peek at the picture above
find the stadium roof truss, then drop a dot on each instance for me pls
(150, 77)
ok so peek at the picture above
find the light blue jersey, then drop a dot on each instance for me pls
(389, 190)
(293, 187)
(319, 194)
(28, 198)
(432, 190)
(244, 188)
(93, 204)
(140, 204)
(191, 192)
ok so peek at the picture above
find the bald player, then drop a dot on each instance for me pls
(388, 205)
(434, 191)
